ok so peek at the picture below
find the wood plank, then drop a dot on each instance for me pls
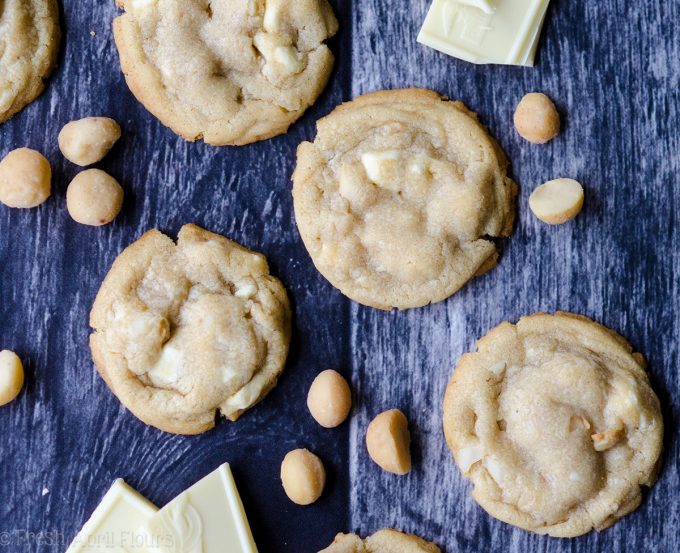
(614, 72)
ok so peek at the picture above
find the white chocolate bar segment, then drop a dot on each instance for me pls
(507, 34)
(207, 518)
(113, 525)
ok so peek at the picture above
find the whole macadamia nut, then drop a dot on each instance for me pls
(25, 179)
(88, 140)
(329, 399)
(11, 376)
(303, 476)
(388, 441)
(94, 198)
(536, 118)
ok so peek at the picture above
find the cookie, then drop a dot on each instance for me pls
(399, 197)
(182, 332)
(554, 421)
(384, 541)
(29, 42)
(228, 71)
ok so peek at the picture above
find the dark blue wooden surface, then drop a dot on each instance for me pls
(613, 68)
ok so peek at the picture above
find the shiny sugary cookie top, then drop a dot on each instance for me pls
(399, 197)
(29, 40)
(383, 541)
(184, 331)
(228, 71)
(554, 421)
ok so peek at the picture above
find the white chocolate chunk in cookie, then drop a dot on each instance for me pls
(562, 448)
(272, 16)
(290, 58)
(380, 168)
(165, 371)
(140, 6)
(468, 456)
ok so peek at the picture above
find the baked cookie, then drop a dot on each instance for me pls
(228, 71)
(29, 42)
(554, 421)
(384, 541)
(399, 196)
(184, 331)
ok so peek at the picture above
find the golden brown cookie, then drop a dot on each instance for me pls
(554, 421)
(228, 71)
(399, 197)
(29, 43)
(184, 331)
(384, 541)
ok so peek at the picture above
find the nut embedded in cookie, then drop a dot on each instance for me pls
(554, 421)
(399, 197)
(184, 331)
(229, 71)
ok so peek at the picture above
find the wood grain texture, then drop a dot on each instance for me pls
(67, 432)
(612, 67)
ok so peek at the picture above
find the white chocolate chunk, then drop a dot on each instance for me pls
(272, 16)
(468, 456)
(495, 470)
(166, 370)
(245, 397)
(499, 368)
(140, 6)
(557, 201)
(288, 57)
(377, 166)
(574, 476)
(246, 290)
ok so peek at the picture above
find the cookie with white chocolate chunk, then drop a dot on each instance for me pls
(554, 421)
(399, 197)
(383, 541)
(229, 71)
(184, 331)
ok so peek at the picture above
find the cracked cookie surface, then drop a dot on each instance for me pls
(29, 42)
(229, 71)
(398, 197)
(554, 421)
(384, 541)
(183, 331)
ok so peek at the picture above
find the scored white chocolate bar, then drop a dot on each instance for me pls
(500, 32)
(114, 523)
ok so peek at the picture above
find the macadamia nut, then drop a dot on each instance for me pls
(303, 476)
(557, 201)
(94, 198)
(88, 140)
(11, 376)
(25, 179)
(388, 442)
(536, 118)
(329, 399)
